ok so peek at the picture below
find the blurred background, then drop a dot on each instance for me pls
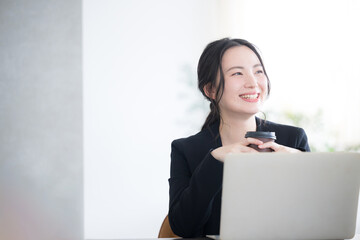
(94, 92)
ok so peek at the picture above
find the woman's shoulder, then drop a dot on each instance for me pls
(207, 136)
(193, 139)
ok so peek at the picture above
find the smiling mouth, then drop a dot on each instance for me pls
(250, 96)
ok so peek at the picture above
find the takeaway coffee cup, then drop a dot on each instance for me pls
(262, 136)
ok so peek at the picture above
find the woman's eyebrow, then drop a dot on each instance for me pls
(257, 65)
(234, 68)
(240, 67)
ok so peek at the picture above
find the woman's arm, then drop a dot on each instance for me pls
(192, 194)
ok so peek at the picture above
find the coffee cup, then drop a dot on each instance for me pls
(262, 136)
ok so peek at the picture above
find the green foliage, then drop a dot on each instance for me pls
(321, 139)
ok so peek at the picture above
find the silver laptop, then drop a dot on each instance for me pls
(290, 196)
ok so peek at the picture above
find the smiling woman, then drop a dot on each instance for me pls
(231, 75)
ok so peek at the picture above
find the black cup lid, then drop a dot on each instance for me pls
(260, 134)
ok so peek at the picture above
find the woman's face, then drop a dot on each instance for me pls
(245, 86)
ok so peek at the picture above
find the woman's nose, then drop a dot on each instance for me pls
(251, 81)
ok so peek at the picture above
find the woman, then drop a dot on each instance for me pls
(232, 76)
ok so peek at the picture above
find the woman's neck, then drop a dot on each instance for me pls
(233, 130)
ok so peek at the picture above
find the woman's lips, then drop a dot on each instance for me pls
(250, 97)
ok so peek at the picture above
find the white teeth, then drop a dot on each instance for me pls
(253, 96)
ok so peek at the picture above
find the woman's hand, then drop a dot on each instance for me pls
(278, 148)
(240, 147)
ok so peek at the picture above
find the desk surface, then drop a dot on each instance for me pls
(203, 238)
(356, 237)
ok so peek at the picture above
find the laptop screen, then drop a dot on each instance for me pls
(290, 196)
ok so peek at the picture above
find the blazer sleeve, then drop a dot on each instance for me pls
(192, 193)
(302, 141)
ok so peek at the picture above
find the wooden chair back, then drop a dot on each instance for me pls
(165, 230)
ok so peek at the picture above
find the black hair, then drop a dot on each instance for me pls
(208, 67)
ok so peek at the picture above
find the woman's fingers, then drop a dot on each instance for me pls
(278, 148)
(252, 141)
(249, 150)
(274, 146)
(241, 147)
(244, 146)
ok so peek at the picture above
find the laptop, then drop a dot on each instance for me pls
(290, 196)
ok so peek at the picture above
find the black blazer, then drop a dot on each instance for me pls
(196, 177)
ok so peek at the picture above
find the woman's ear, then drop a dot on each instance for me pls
(210, 91)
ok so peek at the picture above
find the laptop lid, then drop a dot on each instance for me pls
(290, 196)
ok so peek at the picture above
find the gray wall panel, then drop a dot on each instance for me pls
(41, 156)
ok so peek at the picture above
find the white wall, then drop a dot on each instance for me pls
(139, 57)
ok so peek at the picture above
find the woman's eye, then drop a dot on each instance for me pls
(237, 73)
(259, 72)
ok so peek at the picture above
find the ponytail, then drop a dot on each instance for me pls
(214, 115)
